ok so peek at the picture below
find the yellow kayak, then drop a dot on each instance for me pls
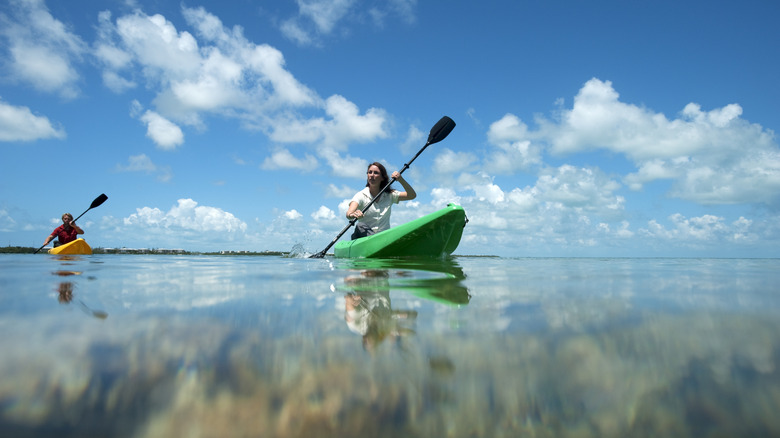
(78, 246)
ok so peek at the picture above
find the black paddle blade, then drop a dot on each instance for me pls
(441, 130)
(99, 200)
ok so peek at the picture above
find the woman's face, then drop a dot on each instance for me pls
(374, 176)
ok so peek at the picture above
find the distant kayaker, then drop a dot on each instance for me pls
(377, 217)
(67, 232)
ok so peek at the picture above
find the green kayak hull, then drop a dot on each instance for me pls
(433, 235)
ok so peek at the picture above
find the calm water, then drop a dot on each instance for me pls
(201, 346)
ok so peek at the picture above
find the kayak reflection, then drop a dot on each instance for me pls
(367, 305)
(432, 279)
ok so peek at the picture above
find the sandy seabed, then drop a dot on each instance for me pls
(672, 376)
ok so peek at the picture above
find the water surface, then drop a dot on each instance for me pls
(215, 346)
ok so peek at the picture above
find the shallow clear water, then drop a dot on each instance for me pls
(212, 346)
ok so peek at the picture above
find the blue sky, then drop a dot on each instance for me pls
(584, 128)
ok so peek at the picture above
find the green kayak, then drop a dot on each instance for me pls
(432, 235)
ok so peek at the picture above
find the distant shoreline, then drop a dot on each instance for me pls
(156, 251)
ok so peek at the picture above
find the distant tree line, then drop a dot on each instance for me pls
(17, 250)
(29, 250)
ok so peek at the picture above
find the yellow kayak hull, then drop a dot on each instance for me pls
(77, 247)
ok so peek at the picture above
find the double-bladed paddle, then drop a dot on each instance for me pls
(439, 132)
(96, 203)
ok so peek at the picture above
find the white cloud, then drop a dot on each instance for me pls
(345, 166)
(315, 17)
(321, 18)
(415, 139)
(345, 126)
(443, 196)
(514, 149)
(283, 159)
(702, 228)
(7, 223)
(42, 49)
(488, 192)
(166, 134)
(449, 162)
(292, 215)
(324, 13)
(216, 70)
(293, 31)
(117, 83)
(579, 188)
(333, 191)
(349, 126)
(323, 214)
(524, 200)
(186, 215)
(712, 157)
(138, 163)
(142, 163)
(18, 123)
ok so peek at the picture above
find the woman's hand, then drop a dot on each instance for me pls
(409, 194)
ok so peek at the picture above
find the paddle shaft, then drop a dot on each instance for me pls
(96, 203)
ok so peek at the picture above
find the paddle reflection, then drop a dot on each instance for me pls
(367, 305)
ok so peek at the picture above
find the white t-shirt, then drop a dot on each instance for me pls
(378, 215)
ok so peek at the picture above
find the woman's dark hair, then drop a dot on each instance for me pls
(383, 172)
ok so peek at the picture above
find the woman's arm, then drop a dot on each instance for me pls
(409, 192)
(353, 212)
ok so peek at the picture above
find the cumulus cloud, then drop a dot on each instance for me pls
(513, 148)
(486, 191)
(317, 19)
(142, 163)
(216, 70)
(450, 162)
(323, 214)
(42, 51)
(344, 165)
(581, 188)
(7, 223)
(415, 139)
(165, 134)
(711, 157)
(18, 123)
(443, 196)
(698, 229)
(345, 191)
(283, 159)
(566, 206)
(186, 215)
(292, 215)
(344, 126)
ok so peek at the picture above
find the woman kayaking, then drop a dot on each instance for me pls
(67, 232)
(377, 217)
